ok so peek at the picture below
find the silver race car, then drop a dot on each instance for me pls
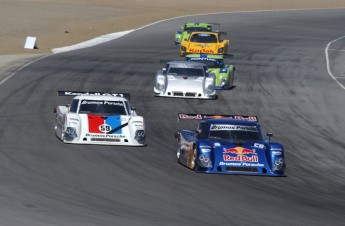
(185, 80)
(99, 118)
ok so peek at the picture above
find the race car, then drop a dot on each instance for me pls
(190, 27)
(224, 72)
(204, 42)
(185, 80)
(98, 118)
(229, 144)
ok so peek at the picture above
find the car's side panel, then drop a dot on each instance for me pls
(60, 119)
(186, 140)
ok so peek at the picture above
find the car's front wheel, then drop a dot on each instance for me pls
(178, 154)
(192, 158)
(232, 79)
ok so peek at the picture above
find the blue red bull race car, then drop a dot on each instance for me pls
(229, 144)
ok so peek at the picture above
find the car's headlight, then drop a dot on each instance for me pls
(222, 82)
(220, 50)
(183, 48)
(70, 133)
(209, 89)
(140, 136)
(160, 83)
(204, 160)
(160, 86)
(278, 163)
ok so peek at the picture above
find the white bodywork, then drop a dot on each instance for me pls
(185, 80)
(73, 124)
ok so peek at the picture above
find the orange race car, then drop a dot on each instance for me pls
(204, 42)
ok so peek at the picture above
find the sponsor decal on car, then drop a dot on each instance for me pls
(233, 127)
(202, 59)
(240, 154)
(182, 65)
(72, 93)
(240, 164)
(201, 51)
(186, 116)
(117, 136)
(102, 125)
(111, 103)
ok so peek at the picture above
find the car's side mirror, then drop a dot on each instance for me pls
(55, 110)
(269, 135)
(164, 71)
(176, 135)
(133, 111)
(68, 107)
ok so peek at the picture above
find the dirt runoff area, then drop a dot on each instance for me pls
(58, 23)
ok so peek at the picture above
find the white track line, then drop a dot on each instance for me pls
(20, 68)
(327, 60)
(338, 50)
(92, 42)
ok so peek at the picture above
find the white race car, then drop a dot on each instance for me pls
(185, 79)
(99, 118)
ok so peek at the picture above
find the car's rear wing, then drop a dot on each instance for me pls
(222, 32)
(82, 93)
(211, 116)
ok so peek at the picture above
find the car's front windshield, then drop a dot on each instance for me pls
(102, 107)
(193, 72)
(235, 133)
(204, 38)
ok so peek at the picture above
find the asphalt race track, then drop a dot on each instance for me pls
(281, 77)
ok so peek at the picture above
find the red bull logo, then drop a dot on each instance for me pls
(240, 154)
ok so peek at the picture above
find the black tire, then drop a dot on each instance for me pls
(193, 159)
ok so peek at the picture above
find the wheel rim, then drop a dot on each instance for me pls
(193, 157)
(178, 153)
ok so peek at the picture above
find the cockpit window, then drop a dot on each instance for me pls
(186, 71)
(102, 107)
(204, 38)
(74, 106)
(235, 133)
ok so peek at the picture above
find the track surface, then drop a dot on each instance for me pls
(281, 77)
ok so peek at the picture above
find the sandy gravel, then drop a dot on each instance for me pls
(58, 23)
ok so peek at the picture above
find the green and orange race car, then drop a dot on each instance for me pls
(224, 72)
